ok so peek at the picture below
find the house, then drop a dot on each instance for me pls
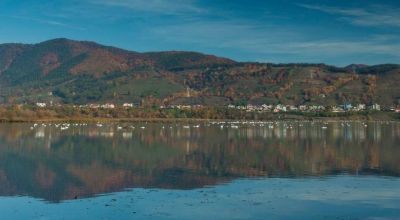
(197, 106)
(94, 106)
(238, 107)
(360, 107)
(266, 107)
(250, 108)
(280, 108)
(313, 108)
(337, 109)
(108, 106)
(303, 108)
(347, 106)
(181, 106)
(292, 108)
(41, 104)
(316, 108)
(128, 105)
(375, 107)
(321, 108)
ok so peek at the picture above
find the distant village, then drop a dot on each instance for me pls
(348, 107)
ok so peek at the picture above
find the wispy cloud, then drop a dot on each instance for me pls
(374, 15)
(260, 32)
(157, 6)
(44, 21)
(238, 33)
(373, 46)
(269, 40)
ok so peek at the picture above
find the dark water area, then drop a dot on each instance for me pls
(219, 170)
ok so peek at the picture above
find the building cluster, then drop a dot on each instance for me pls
(181, 107)
(91, 106)
(278, 108)
(348, 107)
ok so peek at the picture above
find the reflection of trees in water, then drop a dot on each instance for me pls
(85, 160)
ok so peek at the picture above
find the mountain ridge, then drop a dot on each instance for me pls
(68, 71)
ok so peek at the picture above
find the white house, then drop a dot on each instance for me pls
(108, 106)
(337, 109)
(266, 107)
(292, 108)
(360, 107)
(128, 105)
(303, 108)
(375, 107)
(280, 108)
(41, 104)
(94, 106)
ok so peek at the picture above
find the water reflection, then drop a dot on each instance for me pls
(65, 161)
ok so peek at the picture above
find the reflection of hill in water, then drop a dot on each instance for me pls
(48, 163)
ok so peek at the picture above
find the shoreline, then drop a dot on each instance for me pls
(71, 114)
(190, 120)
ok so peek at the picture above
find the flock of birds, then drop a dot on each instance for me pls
(220, 124)
(62, 126)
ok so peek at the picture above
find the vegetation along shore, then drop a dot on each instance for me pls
(29, 113)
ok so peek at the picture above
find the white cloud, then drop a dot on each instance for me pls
(229, 33)
(157, 6)
(265, 39)
(375, 15)
(345, 47)
(44, 21)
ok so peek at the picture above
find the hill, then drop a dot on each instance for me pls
(81, 72)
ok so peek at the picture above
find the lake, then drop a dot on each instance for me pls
(214, 170)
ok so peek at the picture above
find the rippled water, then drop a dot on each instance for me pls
(236, 170)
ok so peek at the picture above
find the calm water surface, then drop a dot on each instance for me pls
(215, 170)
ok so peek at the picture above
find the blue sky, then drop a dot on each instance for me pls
(334, 32)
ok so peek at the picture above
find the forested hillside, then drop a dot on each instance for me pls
(66, 71)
